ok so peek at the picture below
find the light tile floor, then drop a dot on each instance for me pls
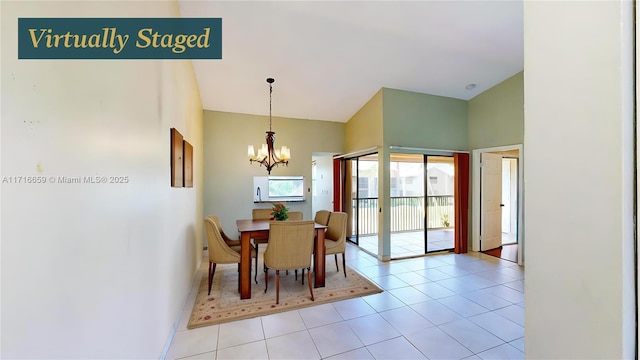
(435, 307)
(411, 243)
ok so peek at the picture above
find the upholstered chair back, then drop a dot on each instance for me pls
(219, 251)
(337, 229)
(261, 214)
(290, 245)
(322, 217)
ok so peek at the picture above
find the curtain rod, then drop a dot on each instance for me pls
(366, 151)
(423, 151)
(411, 150)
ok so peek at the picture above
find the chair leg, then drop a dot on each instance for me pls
(336, 257)
(255, 277)
(344, 265)
(296, 271)
(302, 275)
(266, 279)
(309, 281)
(212, 271)
(277, 287)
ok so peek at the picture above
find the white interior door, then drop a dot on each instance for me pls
(506, 195)
(321, 183)
(490, 202)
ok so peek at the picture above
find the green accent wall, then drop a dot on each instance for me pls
(426, 121)
(228, 176)
(496, 117)
(364, 129)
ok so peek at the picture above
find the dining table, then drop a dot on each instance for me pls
(259, 229)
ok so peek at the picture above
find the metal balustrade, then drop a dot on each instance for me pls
(407, 213)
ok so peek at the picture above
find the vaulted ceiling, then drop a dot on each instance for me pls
(329, 57)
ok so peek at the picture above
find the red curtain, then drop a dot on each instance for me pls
(337, 188)
(461, 196)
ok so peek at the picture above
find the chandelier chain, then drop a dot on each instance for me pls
(270, 92)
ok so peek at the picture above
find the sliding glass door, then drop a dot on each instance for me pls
(440, 203)
(407, 206)
(421, 207)
(422, 204)
(361, 201)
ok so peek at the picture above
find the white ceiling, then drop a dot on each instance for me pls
(330, 57)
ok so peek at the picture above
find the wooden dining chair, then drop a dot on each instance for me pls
(336, 238)
(322, 217)
(219, 251)
(290, 247)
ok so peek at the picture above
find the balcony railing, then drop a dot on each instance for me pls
(407, 213)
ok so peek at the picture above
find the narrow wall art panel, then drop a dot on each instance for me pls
(188, 164)
(177, 159)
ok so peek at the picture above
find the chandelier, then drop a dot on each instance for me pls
(267, 156)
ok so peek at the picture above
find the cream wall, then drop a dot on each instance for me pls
(228, 177)
(578, 88)
(364, 130)
(496, 117)
(95, 270)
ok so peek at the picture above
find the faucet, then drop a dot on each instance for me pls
(258, 194)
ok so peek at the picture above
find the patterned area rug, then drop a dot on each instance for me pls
(224, 304)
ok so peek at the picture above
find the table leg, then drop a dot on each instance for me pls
(319, 259)
(245, 266)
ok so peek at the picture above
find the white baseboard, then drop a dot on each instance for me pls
(167, 344)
